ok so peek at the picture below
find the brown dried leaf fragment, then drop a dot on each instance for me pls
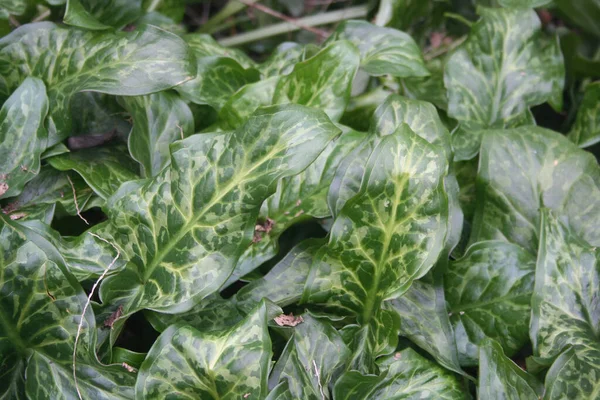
(3, 188)
(265, 226)
(110, 321)
(128, 367)
(288, 320)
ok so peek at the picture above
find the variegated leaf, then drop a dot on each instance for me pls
(104, 169)
(23, 136)
(504, 67)
(232, 364)
(407, 376)
(312, 359)
(158, 120)
(383, 51)
(566, 311)
(586, 130)
(501, 378)
(41, 304)
(323, 81)
(72, 60)
(525, 168)
(489, 295)
(184, 230)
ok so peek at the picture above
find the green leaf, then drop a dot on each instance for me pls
(23, 136)
(104, 169)
(174, 9)
(243, 103)
(566, 311)
(119, 63)
(212, 314)
(390, 233)
(367, 342)
(323, 81)
(311, 360)
(46, 189)
(297, 198)
(282, 59)
(102, 14)
(489, 295)
(360, 108)
(232, 364)
(216, 80)
(37, 335)
(184, 230)
(430, 88)
(523, 169)
(523, 3)
(421, 116)
(407, 376)
(584, 13)
(424, 320)
(504, 67)
(12, 7)
(203, 45)
(383, 51)
(158, 120)
(292, 271)
(500, 378)
(586, 130)
(394, 113)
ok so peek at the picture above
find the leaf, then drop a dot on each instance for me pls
(565, 311)
(408, 376)
(523, 3)
(323, 81)
(46, 189)
(500, 378)
(382, 50)
(360, 108)
(586, 129)
(102, 14)
(396, 111)
(174, 9)
(38, 333)
(523, 169)
(504, 67)
(489, 295)
(584, 13)
(282, 59)
(421, 116)
(118, 63)
(104, 169)
(312, 358)
(23, 136)
(184, 230)
(243, 103)
(384, 237)
(203, 45)
(284, 283)
(430, 88)
(297, 198)
(159, 120)
(212, 314)
(12, 7)
(424, 320)
(367, 342)
(216, 80)
(390, 233)
(225, 365)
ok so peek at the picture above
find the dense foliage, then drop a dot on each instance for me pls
(403, 209)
